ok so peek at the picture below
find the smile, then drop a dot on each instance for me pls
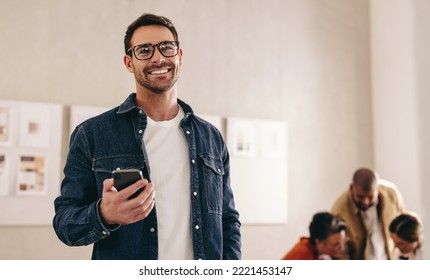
(159, 71)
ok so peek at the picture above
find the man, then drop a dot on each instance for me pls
(327, 239)
(368, 208)
(186, 209)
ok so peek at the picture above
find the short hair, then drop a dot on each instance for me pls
(407, 227)
(365, 178)
(145, 20)
(325, 224)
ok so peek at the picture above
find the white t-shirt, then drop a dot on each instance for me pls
(375, 234)
(168, 156)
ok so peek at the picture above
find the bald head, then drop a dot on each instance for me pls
(365, 178)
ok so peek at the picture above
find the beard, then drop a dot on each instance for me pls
(154, 84)
(364, 207)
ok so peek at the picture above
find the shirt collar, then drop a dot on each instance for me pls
(130, 104)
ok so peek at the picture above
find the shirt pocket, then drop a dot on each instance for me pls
(103, 166)
(213, 172)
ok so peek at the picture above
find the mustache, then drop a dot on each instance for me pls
(159, 66)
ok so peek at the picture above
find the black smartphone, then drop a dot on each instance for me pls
(123, 178)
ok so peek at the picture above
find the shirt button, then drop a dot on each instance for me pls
(152, 229)
(140, 131)
(219, 170)
(187, 132)
(197, 227)
(104, 232)
(195, 193)
(140, 111)
(193, 161)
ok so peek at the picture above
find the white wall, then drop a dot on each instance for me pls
(422, 59)
(395, 96)
(400, 93)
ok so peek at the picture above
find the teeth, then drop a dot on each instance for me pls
(161, 71)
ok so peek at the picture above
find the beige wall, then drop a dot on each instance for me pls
(422, 60)
(306, 62)
(395, 96)
(400, 89)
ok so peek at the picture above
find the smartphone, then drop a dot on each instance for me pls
(123, 178)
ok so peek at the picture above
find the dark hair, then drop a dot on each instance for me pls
(407, 227)
(365, 178)
(145, 20)
(324, 224)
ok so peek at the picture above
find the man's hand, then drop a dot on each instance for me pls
(117, 208)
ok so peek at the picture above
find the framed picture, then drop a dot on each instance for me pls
(241, 138)
(4, 175)
(5, 125)
(34, 126)
(30, 161)
(259, 168)
(31, 175)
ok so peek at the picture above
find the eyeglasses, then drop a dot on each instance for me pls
(146, 51)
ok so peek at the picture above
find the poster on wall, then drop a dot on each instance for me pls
(259, 169)
(4, 175)
(31, 175)
(4, 126)
(272, 141)
(30, 162)
(34, 126)
(241, 136)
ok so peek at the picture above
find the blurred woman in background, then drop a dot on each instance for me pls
(406, 231)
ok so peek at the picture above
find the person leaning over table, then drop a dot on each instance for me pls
(368, 206)
(406, 230)
(326, 241)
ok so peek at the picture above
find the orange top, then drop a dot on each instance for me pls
(303, 250)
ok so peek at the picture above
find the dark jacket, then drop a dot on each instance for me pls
(113, 140)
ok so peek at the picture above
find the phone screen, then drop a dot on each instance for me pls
(123, 178)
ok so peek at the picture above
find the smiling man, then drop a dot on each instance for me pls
(186, 209)
(368, 207)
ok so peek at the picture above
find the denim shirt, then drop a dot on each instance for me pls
(113, 140)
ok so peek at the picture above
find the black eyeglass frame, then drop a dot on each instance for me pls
(133, 49)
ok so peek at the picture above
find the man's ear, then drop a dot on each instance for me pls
(128, 63)
(180, 53)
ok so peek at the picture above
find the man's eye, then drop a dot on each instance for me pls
(143, 50)
(167, 47)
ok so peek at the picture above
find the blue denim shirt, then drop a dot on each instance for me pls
(115, 139)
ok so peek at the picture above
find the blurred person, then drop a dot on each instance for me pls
(368, 206)
(406, 230)
(326, 241)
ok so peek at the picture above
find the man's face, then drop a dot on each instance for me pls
(334, 245)
(157, 74)
(364, 199)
